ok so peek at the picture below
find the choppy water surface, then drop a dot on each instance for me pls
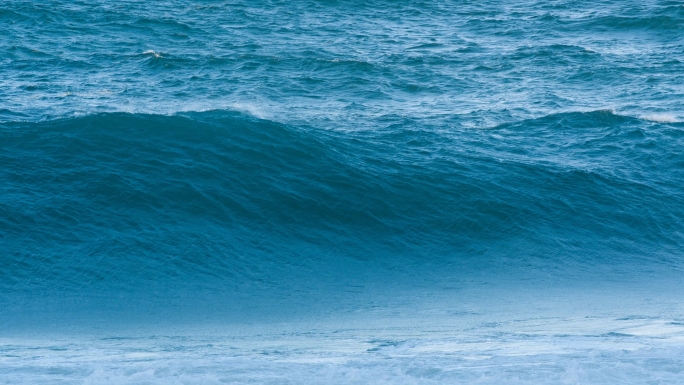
(341, 192)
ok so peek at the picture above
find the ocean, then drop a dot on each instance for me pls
(329, 192)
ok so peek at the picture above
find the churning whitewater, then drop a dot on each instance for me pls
(323, 192)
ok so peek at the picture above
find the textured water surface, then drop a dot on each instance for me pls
(341, 192)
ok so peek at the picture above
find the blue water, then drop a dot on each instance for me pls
(324, 192)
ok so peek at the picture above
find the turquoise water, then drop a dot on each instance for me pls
(341, 192)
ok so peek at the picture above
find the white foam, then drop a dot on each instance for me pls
(151, 52)
(661, 118)
(534, 351)
(250, 109)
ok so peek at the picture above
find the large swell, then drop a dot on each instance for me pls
(221, 202)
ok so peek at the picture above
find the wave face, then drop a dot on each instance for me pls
(219, 199)
(321, 191)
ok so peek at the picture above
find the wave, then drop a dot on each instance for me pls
(221, 198)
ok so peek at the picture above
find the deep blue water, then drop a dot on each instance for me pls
(341, 192)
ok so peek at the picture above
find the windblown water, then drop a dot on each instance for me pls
(341, 192)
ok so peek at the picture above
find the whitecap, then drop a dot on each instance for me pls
(250, 109)
(151, 52)
(660, 118)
